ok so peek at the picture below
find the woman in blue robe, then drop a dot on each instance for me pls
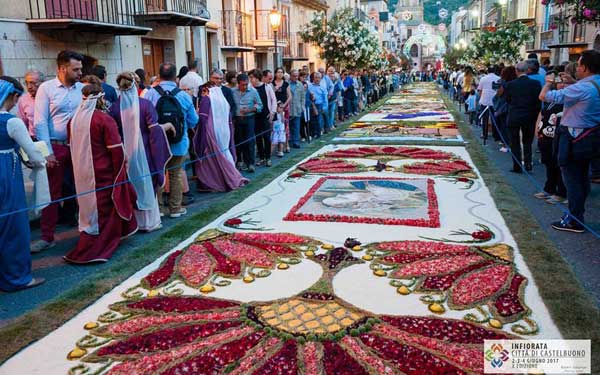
(15, 257)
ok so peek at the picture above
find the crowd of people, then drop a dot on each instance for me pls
(125, 151)
(557, 105)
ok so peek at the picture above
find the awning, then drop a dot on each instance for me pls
(569, 45)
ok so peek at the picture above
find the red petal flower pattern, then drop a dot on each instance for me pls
(215, 360)
(509, 303)
(437, 266)
(445, 163)
(284, 362)
(336, 361)
(150, 364)
(140, 324)
(223, 265)
(258, 355)
(165, 339)
(163, 273)
(195, 266)
(226, 255)
(409, 359)
(472, 275)
(175, 304)
(479, 285)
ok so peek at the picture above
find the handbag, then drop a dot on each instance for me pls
(587, 144)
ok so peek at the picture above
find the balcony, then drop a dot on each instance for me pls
(296, 49)
(174, 12)
(522, 11)
(263, 36)
(115, 17)
(319, 5)
(237, 31)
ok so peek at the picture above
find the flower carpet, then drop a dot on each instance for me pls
(416, 113)
(360, 259)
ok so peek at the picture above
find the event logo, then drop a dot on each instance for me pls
(496, 355)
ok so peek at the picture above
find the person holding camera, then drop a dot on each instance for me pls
(578, 134)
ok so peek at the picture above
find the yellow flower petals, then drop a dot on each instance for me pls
(90, 325)
(76, 354)
(208, 288)
(437, 308)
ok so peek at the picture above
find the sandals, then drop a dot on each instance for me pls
(33, 283)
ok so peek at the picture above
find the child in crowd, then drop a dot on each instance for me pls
(471, 104)
(278, 134)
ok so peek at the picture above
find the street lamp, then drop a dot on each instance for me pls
(275, 20)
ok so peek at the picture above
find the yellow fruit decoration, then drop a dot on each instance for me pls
(403, 290)
(437, 308)
(367, 257)
(90, 325)
(495, 323)
(379, 273)
(309, 253)
(283, 266)
(328, 247)
(153, 293)
(76, 354)
(248, 279)
(357, 248)
(208, 288)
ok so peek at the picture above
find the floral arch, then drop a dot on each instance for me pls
(425, 39)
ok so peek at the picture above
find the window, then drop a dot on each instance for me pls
(578, 32)
(547, 18)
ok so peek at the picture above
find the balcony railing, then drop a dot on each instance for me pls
(264, 31)
(237, 30)
(296, 48)
(102, 16)
(314, 4)
(174, 12)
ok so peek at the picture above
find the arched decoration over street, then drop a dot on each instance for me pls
(426, 40)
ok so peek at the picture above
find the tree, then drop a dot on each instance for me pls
(500, 45)
(345, 40)
(453, 56)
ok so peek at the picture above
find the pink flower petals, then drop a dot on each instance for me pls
(480, 285)
(195, 266)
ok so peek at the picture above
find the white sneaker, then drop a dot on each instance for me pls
(177, 214)
(503, 149)
(41, 245)
(541, 195)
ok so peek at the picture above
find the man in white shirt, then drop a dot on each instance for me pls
(192, 79)
(55, 104)
(486, 94)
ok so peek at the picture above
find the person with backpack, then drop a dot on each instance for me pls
(174, 106)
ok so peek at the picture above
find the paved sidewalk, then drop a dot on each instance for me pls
(581, 251)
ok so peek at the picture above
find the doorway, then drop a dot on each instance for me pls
(156, 52)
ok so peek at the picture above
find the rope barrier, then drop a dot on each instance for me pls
(128, 180)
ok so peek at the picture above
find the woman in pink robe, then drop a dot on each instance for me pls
(106, 216)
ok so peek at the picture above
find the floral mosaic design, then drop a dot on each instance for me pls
(354, 207)
(313, 332)
(463, 276)
(435, 162)
(217, 255)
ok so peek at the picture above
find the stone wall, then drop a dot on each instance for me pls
(22, 49)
